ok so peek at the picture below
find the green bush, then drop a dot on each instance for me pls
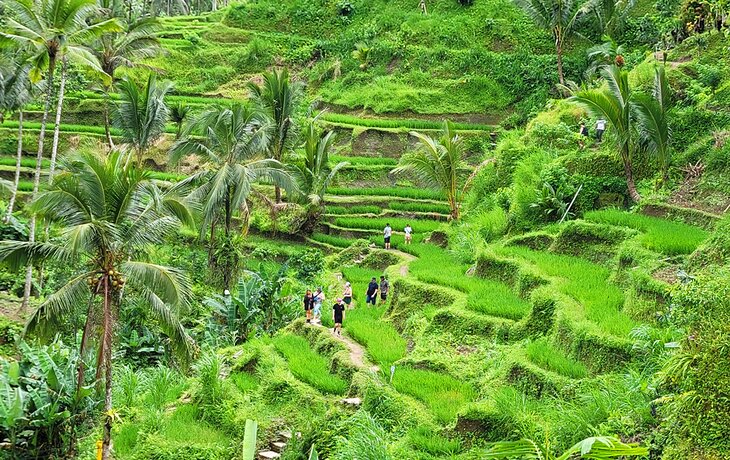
(716, 249)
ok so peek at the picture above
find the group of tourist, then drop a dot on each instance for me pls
(584, 133)
(313, 302)
(388, 232)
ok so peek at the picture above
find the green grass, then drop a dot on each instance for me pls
(419, 207)
(378, 223)
(244, 381)
(332, 240)
(489, 297)
(307, 365)
(585, 282)
(401, 192)
(364, 161)
(393, 123)
(444, 395)
(359, 209)
(665, 236)
(425, 440)
(74, 128)
(543, 354)
(24, 162)
(184, 427)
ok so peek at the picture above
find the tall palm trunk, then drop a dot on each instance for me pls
(107, 362)
(18, 160)
(37, 177)
(559, 53)
(107, 123)
(57, 125)
(630, 184)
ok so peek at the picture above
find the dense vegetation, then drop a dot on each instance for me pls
(176, 175)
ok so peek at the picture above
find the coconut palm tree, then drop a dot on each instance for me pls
(109, 214)
(137, 41)
(278, 98)
(595, 448)
(15, 92)
(560, 18)
(614, 103)
(315, 174)
(51, 30)
(439, 164)
(652, 117)
(229, 141)
(178, 114)
(142, 113)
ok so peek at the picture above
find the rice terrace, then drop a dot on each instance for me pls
(364, 229)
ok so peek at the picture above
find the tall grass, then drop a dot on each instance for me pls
(378, 223)
(542, 353)
(489, 297)
(419, 207)
(24, 162)
(665, 236)
(444, 395)
(587, 283)
(307, 365)
(332, 240)
(392, 123)
(365, 161)
(359, 209)
(425, 440)
(402, 192)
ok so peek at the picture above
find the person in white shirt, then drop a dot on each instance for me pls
(387, 232)
(600, 128)
(408, 231)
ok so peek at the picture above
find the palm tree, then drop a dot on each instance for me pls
(142, 113)
(15, 92)
(560, 18)
(315, 174)
(178, 114)
(614, 104)
(278, 98)
(51, 30)
(651, 115)
(229, 141)
(439, 164)
(109, 213)
(596, 448)
(137, 41)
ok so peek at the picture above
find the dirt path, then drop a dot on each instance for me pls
(407, 259)
(357, 352)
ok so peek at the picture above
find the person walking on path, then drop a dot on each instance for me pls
(600, 128)
(371, 294)
(308, 305)
(347, 294)
(387, 232)
(384, 288)
(583, 135)
(317, 300)
(409, 233)
(338, 315)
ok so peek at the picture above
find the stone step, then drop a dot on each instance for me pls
(278, 446)
(268, 455)
(352, 401)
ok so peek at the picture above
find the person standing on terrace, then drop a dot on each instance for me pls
(409, 233)
(387, 233)
(347, 294)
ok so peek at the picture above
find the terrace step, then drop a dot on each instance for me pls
(278, 446)
(268, 455)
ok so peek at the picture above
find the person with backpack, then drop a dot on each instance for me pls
(371, 294)
(308, 305)
(384, 288)
(317, 300)
(338, 315)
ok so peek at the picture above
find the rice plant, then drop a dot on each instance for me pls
(665, 236)
(365, 439)
(382, 341)
(443, 394)
(392, 123)
(332, 240)
(425, 440)
(419, 207)
(378, 223)
(543, 354)
(307, 365)
(401, 192)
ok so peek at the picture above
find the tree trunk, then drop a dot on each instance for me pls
(559, 53)
(630, 185)
(107, 359)
(37, 179)
(57, 125)
(277, 194)
(107, 122)
(18, 161)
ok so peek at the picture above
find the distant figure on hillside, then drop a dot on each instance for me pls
(308, 305)
(347, 294)
(409, 233)
(583, 131)
(422, 7)
(384, 288)
(387, 232)
(317, 300)
(600, 128)
(338, 314)
(372, 293)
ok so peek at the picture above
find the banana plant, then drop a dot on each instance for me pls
(249, 440)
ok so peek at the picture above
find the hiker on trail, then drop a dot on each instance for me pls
(387, 232)
(384, 288)
(422, 7)
(308, 305)
(338, 314)
(600, 128)
(409, 233)
(347, 294)
(317, 300)
(583, 135)
(372, 293)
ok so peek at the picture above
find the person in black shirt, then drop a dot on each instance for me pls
(338, 315)
(308, 305)
(371, 294)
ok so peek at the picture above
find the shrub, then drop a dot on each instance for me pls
(534, 381)
(308, 264)
(716, 249)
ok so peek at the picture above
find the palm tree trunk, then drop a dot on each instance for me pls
(107, 122)
(559, 53)
(37, 178)
(18, 161)
(57, 125)
(107, 359)
(630, 184)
